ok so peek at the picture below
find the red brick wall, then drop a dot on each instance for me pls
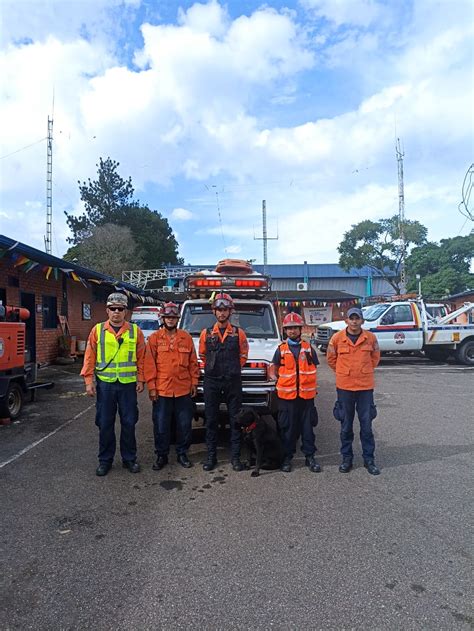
(36, 283)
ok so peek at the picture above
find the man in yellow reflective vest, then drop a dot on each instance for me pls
(115, 355)
(295, 361)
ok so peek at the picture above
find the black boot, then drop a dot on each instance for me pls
(371, 467)
(286, 466)
(312, 465)
(184, 461)
(211, 463)
(237, 465)
(161, 461)
(345, 466)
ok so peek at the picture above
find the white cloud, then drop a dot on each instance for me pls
(233, 249)
(181, 214)
(215, 100)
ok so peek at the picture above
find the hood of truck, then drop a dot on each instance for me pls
(259, 349)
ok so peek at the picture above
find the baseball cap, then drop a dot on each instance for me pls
(355, 311)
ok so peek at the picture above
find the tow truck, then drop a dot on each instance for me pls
(411, 325)
(253, 313)
(17, 377)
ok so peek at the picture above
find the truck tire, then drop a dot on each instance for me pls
(437, 354)
(14, 399)
(465, 353)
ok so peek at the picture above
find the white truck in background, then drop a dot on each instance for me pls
(147, 318)
(253, 313)
(405, 326)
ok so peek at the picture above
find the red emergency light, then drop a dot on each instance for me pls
(206, 282)
(250, 282)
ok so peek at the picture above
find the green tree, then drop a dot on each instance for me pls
(443, 268)
(376, 244)
(109, 249)
(110, 200)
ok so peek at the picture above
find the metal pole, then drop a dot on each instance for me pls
(49, 188)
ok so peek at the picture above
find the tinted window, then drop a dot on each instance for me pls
(255, 320)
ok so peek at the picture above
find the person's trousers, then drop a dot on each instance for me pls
(229, 391)
(297, 417)
(110, 398)
(163, 411)
(363, 402)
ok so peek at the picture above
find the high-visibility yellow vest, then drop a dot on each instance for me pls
(122, 357)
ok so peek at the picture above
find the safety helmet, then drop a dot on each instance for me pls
(170, 310)
(222, 300)
(117, 300)
(292, 319)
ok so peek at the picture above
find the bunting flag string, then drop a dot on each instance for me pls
(314, 303)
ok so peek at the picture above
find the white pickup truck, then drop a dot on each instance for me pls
(407, 326)
(253, 314)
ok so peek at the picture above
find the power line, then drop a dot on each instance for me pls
(23, 148)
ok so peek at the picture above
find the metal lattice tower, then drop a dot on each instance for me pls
(264, 236)
(49, 188)
(401, 218)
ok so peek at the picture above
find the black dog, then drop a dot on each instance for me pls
(260, 435)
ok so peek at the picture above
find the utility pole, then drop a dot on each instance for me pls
(401, 218)
(264, 236)
(49, 188)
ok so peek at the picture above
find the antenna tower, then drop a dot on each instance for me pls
(401, 217)
(264, 236)
(49, 188)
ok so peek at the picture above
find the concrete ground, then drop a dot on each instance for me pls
(183, 548)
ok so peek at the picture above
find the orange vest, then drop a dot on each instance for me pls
(296, 380)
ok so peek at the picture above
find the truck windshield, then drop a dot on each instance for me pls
(374, 311)
(256, 320)
(147, 325)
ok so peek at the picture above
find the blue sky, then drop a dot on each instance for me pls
(212, 107)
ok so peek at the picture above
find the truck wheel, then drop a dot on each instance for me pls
(14, 399)
(465, 353)
(436, 354)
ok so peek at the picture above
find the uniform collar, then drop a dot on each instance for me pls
(125, 327)
(362, 337)
(216, 328)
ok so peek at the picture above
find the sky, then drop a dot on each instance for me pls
(213, 107)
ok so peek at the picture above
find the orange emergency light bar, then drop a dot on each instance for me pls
(250, 282)
(206, 282)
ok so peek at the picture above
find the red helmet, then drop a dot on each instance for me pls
(292, 319)
(170, 310)
(223, 300)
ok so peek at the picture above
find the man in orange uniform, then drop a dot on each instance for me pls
(223, 349)
(171, 373)
(295, 362)
(353, 354)
(114, 355)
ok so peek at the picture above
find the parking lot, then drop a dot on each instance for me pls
(184, 548)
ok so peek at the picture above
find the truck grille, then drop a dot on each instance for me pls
(324, 335)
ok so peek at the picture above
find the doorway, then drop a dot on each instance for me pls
(27, 301)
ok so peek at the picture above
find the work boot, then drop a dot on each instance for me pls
(371, 467)
(161, 461)
(312, 465)
(345, 466)
(131, 465)
(184, 461)
(103, 469)
(237, 465)
(286, 466)
(211, 463)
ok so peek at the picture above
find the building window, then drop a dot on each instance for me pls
(50, 312)
(13, 281)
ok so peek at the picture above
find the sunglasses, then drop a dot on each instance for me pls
(116, 309)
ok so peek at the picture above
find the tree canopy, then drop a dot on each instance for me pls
(376, 244)
(110, 200)
(109, 249)
(444, 268)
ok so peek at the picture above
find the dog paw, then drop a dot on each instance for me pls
(255, 474)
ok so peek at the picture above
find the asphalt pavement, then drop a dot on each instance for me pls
(180, 549)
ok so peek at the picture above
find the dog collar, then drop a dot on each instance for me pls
(250, 427)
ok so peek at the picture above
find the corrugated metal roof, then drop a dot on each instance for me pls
(315, 270)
